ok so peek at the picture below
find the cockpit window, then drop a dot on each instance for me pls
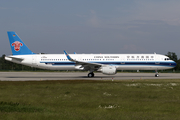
(167, 59)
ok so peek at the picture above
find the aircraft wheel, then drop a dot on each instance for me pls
(156, 75)
(91, 75)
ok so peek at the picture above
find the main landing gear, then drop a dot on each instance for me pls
(156, 75)
(91, 74)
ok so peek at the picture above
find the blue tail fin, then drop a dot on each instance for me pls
(17, 45)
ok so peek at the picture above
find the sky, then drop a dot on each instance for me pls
(92, 26)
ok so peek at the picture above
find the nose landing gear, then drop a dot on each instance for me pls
(156, 75)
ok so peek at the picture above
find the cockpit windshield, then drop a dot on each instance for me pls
(167, 59)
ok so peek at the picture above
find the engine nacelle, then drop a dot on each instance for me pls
(79, 67)
(109, 70)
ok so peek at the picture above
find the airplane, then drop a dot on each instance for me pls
(106, 63)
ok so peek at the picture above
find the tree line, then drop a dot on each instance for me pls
(10, 66)
(174, 57)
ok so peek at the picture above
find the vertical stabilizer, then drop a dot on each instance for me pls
(17, 45)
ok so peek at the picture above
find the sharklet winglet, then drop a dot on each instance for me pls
(68, 57)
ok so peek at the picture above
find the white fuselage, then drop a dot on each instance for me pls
(119, 61)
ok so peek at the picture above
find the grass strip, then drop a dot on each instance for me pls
(82, 99)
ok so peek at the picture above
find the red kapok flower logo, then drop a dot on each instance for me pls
(17, 45)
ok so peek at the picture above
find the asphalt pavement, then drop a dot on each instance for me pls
(39, 76)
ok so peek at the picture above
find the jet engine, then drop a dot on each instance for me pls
(109, 70)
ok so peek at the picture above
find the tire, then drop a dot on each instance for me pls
(156, 75)
(91, 75)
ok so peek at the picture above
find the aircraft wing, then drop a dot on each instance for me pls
(85, 65)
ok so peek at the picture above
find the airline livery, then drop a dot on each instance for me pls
(106, 63)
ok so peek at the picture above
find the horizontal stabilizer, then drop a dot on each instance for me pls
(18, 58)
(14, 59)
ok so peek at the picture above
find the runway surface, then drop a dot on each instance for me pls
(38, 76)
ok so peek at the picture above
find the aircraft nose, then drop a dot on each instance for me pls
(174, 64)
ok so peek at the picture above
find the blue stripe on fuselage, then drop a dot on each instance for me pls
(167, 64)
